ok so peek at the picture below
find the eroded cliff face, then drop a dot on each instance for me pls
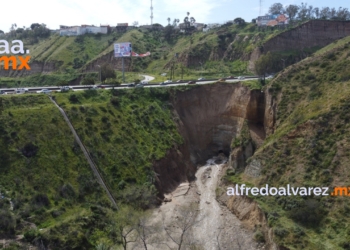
(174, 169)
(250, 214)
(208, 118)
(211, 115)
(314, 33)
(109, 58)
(35, 68)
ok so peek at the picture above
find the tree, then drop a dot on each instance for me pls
(292, 11)
(188, 22)
(276, 8)
(102, 246)
(303, 10)
(178, 231)
(343, 14)
(325, 13)
(169, 33)
(266, 64)
(1, 32)
(239, 21)
(123, 229)
(107, 72)
(135, 23)
(317, 12)
(34, 25)
(146, 231)
(310, 12)
(333, 14)
(175, 22)
(168, 19)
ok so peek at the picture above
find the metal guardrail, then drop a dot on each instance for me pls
(34, 89)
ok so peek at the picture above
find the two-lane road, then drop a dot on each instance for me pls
(122, 86)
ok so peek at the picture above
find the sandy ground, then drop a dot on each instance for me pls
(213, 226)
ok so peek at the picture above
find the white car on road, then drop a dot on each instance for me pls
(44, 91)
(65, 88)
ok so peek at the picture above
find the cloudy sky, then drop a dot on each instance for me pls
(77, 12)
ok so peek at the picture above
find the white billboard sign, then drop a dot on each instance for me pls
(122, 49)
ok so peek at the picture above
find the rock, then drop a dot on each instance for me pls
(198, 193)
(207, 202)
(209, 176)
(167, 199)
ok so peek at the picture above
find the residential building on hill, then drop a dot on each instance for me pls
(83, 29)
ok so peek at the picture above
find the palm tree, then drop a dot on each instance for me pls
(168, 21)
(175, 22)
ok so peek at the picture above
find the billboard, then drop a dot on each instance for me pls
(122, 49)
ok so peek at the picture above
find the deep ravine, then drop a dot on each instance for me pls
(214, 226)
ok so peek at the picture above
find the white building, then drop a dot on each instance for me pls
(81, 30)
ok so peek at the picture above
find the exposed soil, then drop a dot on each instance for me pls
(215, 226)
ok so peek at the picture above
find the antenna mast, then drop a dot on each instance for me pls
(151, 13)
(260, 7)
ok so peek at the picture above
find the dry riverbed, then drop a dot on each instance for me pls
(194, 219)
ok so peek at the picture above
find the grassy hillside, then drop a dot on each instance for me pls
(124, 130)
(221, 52)
(309, 148)
(45, 175)
(43, 171)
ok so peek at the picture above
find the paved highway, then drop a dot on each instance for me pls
(122, 86)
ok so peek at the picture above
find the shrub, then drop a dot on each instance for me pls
(88, 81)
(29, 150)
(114, 101)
(7, 222)
(67, 191)
(309, 213)
(259, 236)
(73, 98)
(41, 200)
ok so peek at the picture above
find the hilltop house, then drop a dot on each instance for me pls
(83, 29)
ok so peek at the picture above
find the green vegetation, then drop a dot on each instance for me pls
(43, 172)
(68, 59)
(124, 131)
(49, 181)
(309, 149)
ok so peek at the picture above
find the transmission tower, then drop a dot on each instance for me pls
(151, 13)
(260, 9)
